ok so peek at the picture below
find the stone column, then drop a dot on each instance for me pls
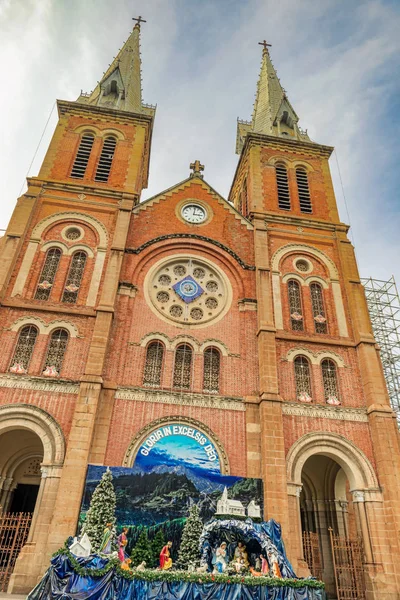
(29, 562)
(295, 538)
(6, 493)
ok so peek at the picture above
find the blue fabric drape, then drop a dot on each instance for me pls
(62, 583)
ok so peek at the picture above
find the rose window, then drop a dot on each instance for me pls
(188, 290)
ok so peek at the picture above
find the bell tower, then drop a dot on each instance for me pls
(317, 357)
(61, 261)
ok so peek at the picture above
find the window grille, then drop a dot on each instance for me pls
(55, 352)
(303, 379)
(283, 187)
(74, 278)
(317, 302)
(82, 156)
(183, 367)
(153, 364)
(23, 350)
(304, 191)
(106, 158)
(295, 306)
(329, 378)
(212, 362)
(48, 274)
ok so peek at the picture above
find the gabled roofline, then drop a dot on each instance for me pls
(163, 195)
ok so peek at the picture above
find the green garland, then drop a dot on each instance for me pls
(190, 577)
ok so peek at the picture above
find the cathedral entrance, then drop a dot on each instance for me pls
(21, 454)
(331, 543)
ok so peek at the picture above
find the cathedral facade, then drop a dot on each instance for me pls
(243, 318)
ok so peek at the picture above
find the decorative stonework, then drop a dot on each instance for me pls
(301, 248)
(187, 290)
(72, 217)
(38, 384)
(191, 236)
(315, 357)
(324, 412)
(184, 399)
(136, 442)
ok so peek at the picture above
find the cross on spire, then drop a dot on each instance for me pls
(265, 45)
(139, 20)
(197, 168)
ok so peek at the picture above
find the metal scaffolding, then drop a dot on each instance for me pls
(384, 309)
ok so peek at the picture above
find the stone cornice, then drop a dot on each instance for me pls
(41, 384)
(178, 398)
(287, 336)
(81, 311)
(82, 188)
(314, 411)
(65, 106)
(311, 148)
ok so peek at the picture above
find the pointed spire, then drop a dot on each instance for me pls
(272, 113)
(120, 88)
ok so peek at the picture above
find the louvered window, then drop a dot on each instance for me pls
(329, 378)
(317, 302)
(153, 364)
(55, 353)
(82, 156)
(303, 190)
(74, 278)
(295, 305)
(283, 187)
(183, 367)
(106, 158)
(48, 274)
(302, 375)
(212, 361)
(23, 350)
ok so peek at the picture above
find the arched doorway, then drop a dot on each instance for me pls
(32, 451)
(337, 494)
(21, 454)
(325, 504)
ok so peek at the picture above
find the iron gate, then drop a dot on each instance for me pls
(14, 529)
(348, 556)
(312, 553)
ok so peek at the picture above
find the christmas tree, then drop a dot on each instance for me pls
(157, 545)
(101, 510)
(189, 555)
(142, 551)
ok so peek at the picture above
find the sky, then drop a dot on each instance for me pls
(337, 59)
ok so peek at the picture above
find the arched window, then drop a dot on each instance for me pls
(55, 352)
(23, 349)
(106, 158)
(183, 367)
(295, 305)
(74, 278)
(302, 376)
(82, 156)
(212, 362)
(329, 378)
(303, 191)
(317, 303)
(48, 274)
(283, 187)
(153, 365)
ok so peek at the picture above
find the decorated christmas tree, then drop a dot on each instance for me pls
(157, 545)
(188, 555)
(142, 551)
(101, 510)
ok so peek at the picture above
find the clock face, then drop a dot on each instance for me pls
(194, 213)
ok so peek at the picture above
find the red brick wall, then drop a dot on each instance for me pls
(59, 405)
(129, 417)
